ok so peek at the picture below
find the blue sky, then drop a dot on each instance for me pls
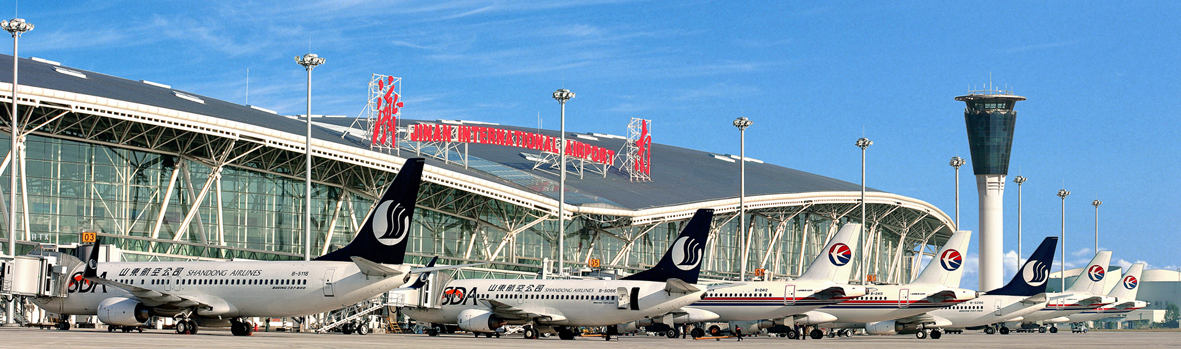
(814, 76)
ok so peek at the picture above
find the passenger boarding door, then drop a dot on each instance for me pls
(789, 295)
(622, 298)
(329, 279)
(903, 298)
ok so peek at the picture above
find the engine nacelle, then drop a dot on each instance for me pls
(695, 315)
(887, 327)
(122, 311)
(814, 318)
(477, 320)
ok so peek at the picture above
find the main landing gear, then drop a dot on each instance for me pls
(530, 332)
(240, 327)
(924, 333)
(186, 325)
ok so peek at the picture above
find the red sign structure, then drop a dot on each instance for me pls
(643, 162)
(509, 138)
(388, 106)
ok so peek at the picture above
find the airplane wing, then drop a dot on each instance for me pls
(830, 293)
(675, 285)
(443, 267)
(507, 311)
(157, 300)
(1091, 301)
(925, 318)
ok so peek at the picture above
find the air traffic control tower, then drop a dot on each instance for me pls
(990, 119)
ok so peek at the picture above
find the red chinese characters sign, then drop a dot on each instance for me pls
(509, 138)
(643, 162)
(388, 105)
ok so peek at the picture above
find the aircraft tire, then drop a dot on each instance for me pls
(714, 330)
(63, 326)
(697, 333)
(530, 333)
(989, 330)
(936, 334)
(364, 330)
(192, 326)
(921, 334)
(817, 334)
(1004, 330)
(672, 333)
(1054, 329)
(432, 332)
(792, 334)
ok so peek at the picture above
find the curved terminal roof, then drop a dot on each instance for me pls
(683, 179)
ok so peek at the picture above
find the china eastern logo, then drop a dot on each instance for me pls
(840, 254)
(1130, 282)
(1095, 273)
(951, 259)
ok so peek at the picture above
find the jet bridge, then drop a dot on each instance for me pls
(43, 273)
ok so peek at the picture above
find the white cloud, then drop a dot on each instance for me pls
(1082, 252)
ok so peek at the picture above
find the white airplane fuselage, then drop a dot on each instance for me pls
(1105, 312)
(769, 299)
(235, 288)
(986, 310)
(561, 302)
(889, 302)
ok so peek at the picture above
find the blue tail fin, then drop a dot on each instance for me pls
(383, 237)
(1032, 277)
(424, 276)
(684, 255)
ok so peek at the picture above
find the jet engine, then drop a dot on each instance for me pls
(889, 327)
(477, 320)
(122, 311)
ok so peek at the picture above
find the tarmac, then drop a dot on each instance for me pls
(215, 338)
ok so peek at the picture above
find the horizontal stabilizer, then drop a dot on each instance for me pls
(677, 286)
(1035, 299)
(371, 268)
(443, 267)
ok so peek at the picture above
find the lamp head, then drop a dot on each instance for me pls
(864, 143)
(309, 61)
(1063, 193)
(956, 162)
(1019, 180)
(562, 95)
(1096, 203)
(742, 123)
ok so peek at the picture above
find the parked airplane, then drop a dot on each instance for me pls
(550, 305)
(1085, 294)
(1024, 294)
(220, 293)
(772, 303)
(1124, 293)
(888, 309)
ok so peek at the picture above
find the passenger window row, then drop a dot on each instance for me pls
(263, 282)
(549, 296)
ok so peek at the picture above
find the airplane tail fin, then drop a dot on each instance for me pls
(1031, 278)
(1090, 280)
(947, 266)
(835, 261)
(424, 276)
(1126, 289)
(683, 258)
(383, 237)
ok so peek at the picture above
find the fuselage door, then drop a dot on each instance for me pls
(903, 298)
(789, 294)
(329, 279)
(622, 298)
(996, 308)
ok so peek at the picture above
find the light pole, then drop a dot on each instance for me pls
(742, 123)
(1096, 203)
(308, 61)
(862, 143)
(956, 162)
(16, 27)
(562, 95)
(1063, 193)
(1019, 180)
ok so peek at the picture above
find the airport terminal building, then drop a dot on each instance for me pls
(161, 174)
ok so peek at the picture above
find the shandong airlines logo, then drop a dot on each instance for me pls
(1035, 273)
(390, 225)
(840, 254)
(1095, 273)
(951, 260)
(686, 253)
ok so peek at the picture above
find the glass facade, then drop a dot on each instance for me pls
(990, 124)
